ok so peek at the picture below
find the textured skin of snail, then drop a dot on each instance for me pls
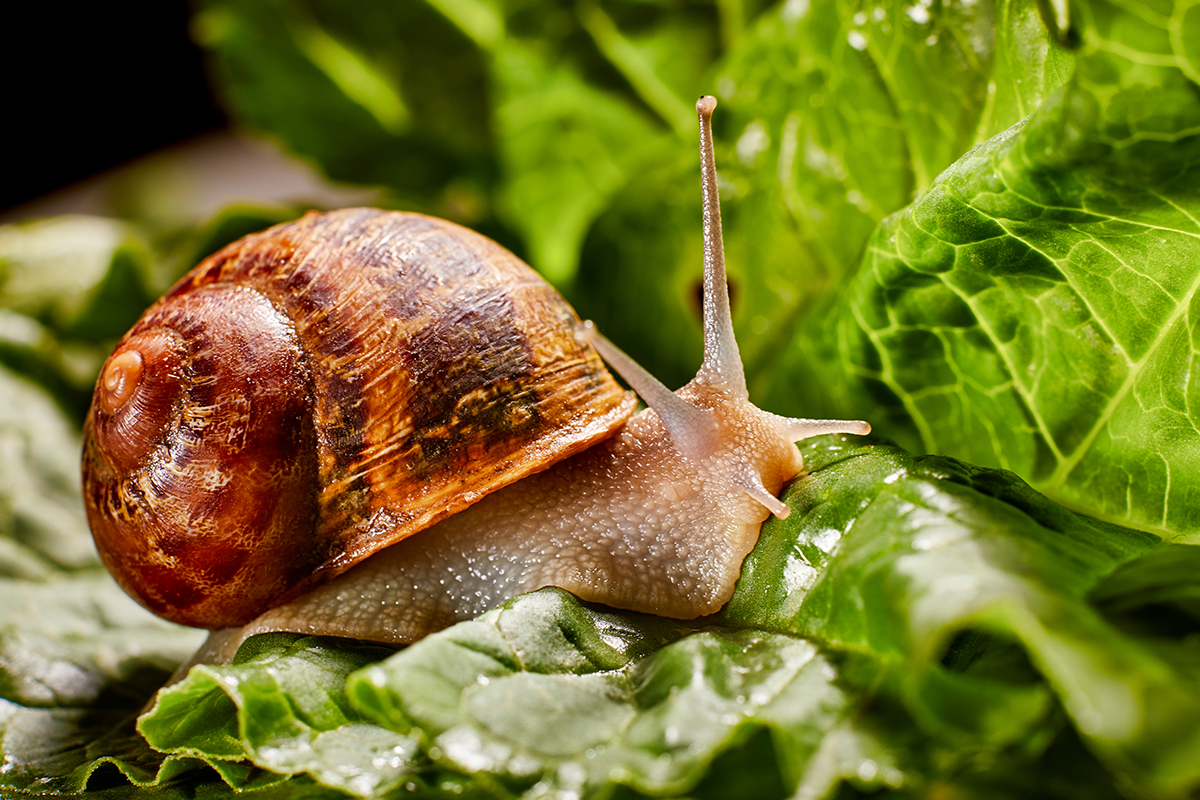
(318, 391)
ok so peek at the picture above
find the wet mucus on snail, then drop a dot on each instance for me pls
(266, 441)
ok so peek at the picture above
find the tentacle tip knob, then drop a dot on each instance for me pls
(706, 104)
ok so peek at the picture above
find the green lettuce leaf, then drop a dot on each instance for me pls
(900, 554)
(42, 528)
(344, 86)
(281, 705)
(841, 114)
(1033, 309)
(916, 623)
(78, 658)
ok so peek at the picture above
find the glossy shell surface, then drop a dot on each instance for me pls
(318, 391)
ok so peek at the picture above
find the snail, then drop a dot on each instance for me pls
(375, 424)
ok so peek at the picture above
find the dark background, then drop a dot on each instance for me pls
(88, 86)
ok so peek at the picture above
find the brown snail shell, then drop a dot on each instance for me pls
(318, 391)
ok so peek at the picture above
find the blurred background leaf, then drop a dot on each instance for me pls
(565, 130)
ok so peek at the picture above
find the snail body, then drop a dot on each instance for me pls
(416, 378)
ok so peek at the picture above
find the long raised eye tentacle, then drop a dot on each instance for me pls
(722, 365)
(692, 429)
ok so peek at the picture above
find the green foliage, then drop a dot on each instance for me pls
(971, 224)
(916, 623)
(1033, 309)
